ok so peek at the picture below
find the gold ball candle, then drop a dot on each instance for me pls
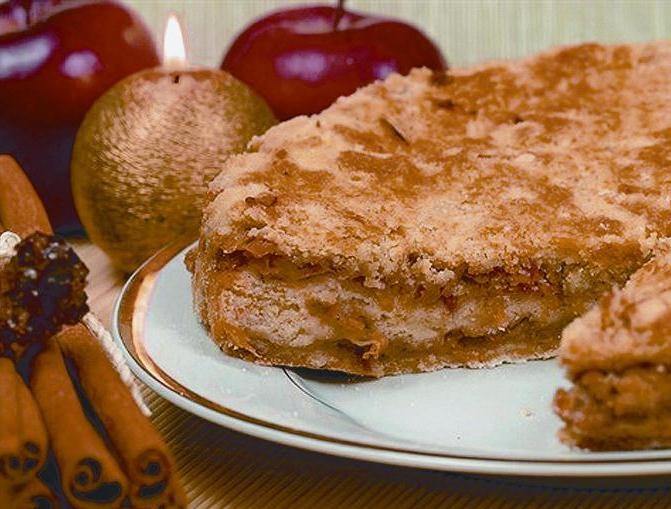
(148, 148)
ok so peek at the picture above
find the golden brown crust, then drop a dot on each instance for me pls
(561, 157)
(548, 174)
(629, 326)
(348, 357)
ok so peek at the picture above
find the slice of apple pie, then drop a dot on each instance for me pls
(618, 355)
(441, 219)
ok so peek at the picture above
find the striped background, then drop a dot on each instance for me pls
(467, 31)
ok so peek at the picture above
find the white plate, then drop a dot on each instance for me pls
(491, 421)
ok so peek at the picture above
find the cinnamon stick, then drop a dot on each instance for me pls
(23, 437)
(144, 455)
(21, 209)
(34, 495)
(91, 477)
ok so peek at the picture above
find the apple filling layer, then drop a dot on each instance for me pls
(274, 311)
(613, 411)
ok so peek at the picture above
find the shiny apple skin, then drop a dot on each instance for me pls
(299, 63)
(56, 59)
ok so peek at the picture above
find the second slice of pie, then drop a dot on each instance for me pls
(441, 219)
(618, 356)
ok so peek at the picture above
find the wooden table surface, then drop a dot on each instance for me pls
(222, 468)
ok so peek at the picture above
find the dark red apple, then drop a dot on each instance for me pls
(56, 58)
(300, 60)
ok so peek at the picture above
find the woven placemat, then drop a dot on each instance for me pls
(468, 31)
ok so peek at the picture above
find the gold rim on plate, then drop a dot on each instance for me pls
(128, 327)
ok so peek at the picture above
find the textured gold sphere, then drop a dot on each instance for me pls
(148, 148)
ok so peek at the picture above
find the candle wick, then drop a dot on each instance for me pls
(175, 78)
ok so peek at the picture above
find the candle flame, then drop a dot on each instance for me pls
(174, 49)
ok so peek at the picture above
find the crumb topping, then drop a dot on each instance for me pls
(562, 158)
(628, 327)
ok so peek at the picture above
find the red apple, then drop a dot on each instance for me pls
(300, 60)
(56, 58)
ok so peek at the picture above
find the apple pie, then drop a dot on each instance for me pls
(458, 218)
(618, 355)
